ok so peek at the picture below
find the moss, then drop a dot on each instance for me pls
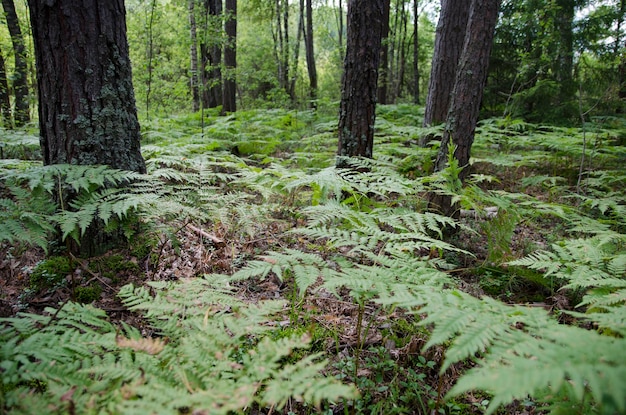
(112, 266)
(87, 294)
(50, 273)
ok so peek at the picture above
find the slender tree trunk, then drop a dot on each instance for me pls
(5, 102)
(229, 102)
(296, 51)
(416, 70)
(357, 112)
(150, 56)
(449, 39)
(340, 24)
(401, 56)
(310, 55)
(467, 94)
(383, 73)
(20, 73)
(621, 69)
(211, 52)
(564, 64)
(193, 51)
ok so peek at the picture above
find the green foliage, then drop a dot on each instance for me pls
(51, 272)
(213, 354)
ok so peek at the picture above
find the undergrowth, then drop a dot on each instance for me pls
(360, 237)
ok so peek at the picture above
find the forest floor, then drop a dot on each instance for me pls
(205, 247)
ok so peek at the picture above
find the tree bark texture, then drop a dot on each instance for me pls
(229, 103)
(449, 38)
(468, 91)
(87, 112)
(310, 55)
(5, 103)
(357, 112)
(20, 74)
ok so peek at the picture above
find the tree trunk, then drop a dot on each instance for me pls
(5, 103)
(449, 38)
(564, 64)
(229, 103)
(401, 54)
(193, 51)
(87, 112)
(310, 55)
(340, 28)
(467, 94)
(357, 112)
(20, 73)
(383, 73)
(211, 53)
(416, 70)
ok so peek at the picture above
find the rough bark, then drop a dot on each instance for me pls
(467, 94)
(20, 73)
(449, 38)
(357, 112)
(229, 103)
(5, 103)
(87, 112)
(564, 63)
(310, 55)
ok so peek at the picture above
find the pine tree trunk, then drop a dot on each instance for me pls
(310, 55)
(211, 55)
(467, 94)
(449, 38)
(20, 73)
(193, 51)
(383, 72)
(357, 112)
(5, 103)
(87, 112)
(416, 70)
(229, 103)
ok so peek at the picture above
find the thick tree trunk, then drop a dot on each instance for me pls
(5, 103)
(383, 72)
(229, 103)
(467, 94)
(87, 112)
(449, 39)
(310, 55)
(20, 73)
(193, 52)
(357, 112)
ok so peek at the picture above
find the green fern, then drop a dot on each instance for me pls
(216, 358)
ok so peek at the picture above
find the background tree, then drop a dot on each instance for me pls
(383, 75)
(449, 42)
(357, 112)
(211, 53)
(20, 72)
(467, 93)
(87, 111)
(310, 54)
(229, 103)
(193, 52)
